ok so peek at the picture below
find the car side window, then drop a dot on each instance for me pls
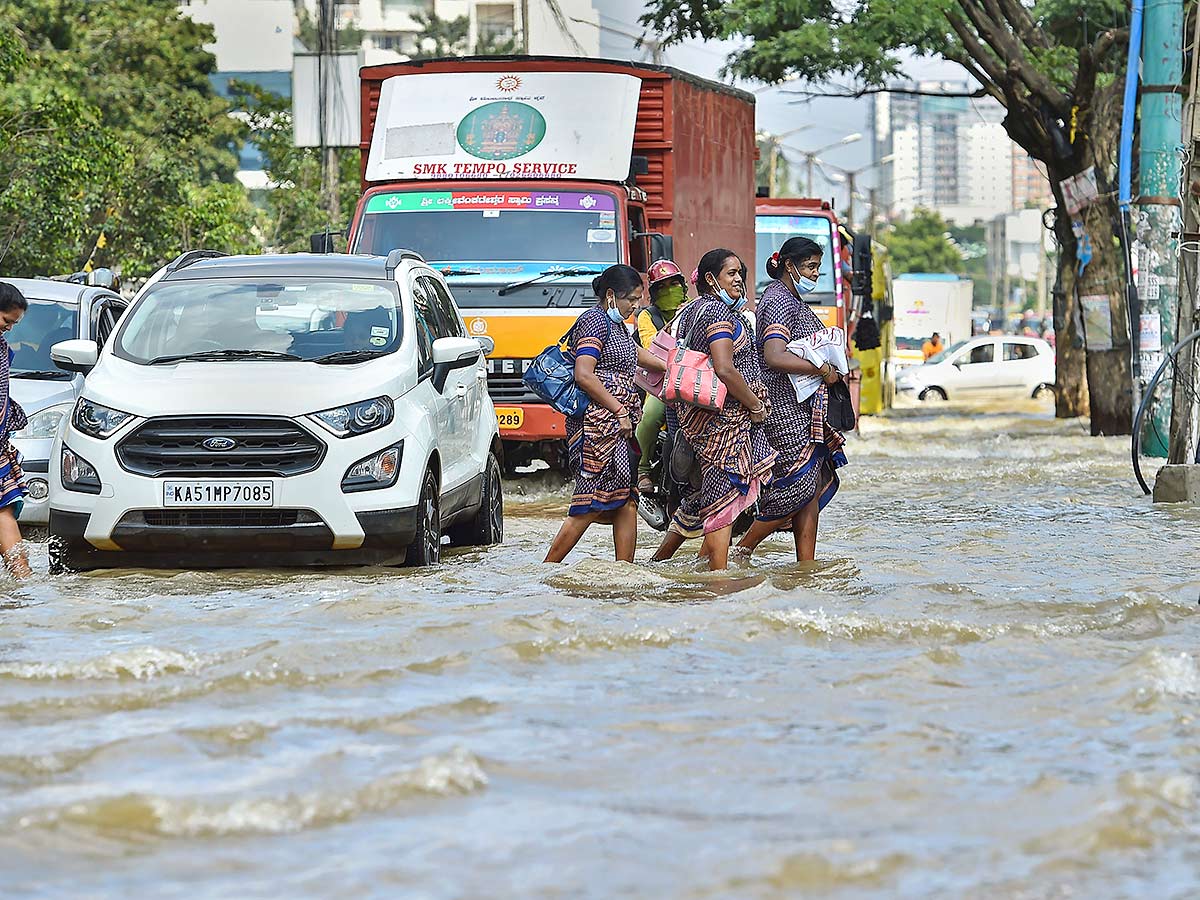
(984, 353)
(105, 316)
(443, 321)
(446, 306)
(1018, 351)
(425, 333)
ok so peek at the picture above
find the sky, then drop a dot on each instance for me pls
(828, 120)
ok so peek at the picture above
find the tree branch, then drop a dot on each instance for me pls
(982, 57)
(1016, 64)
(1022, 23)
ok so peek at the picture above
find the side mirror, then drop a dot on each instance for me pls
(75, 356)
(321, 242)
(486, 344)
(450, 353)
(105, 278)
(662, 246)
(863, 264)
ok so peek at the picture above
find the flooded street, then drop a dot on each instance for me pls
(986, 687)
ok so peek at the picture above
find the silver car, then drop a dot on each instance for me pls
(58, 311)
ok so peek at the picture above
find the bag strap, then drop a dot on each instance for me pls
(564, 341)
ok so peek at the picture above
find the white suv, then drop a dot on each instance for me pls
(278, 410)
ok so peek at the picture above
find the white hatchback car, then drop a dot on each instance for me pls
(983, 368)
(278, 410)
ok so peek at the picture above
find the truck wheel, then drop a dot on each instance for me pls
(486, 527)
(426, 546)
(933, 395)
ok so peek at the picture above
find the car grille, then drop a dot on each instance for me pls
(510, 389)
(228, 518)
(261, 446)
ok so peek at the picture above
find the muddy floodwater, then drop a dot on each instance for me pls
(987, 686)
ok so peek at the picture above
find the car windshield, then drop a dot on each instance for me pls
(306, 318)
(770, 233)
(945, 354)
(507, 235)
(44, 324)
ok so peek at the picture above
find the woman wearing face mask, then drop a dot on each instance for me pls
(732, 450)
(667, 294)
(600, 441)
(12, 418)
(809, 451)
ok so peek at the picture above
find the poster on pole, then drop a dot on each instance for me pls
(1097, 321)
(1150, 333)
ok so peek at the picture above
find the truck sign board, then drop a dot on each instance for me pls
(576, 125)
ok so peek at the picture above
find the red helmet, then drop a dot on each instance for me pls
(663, 270)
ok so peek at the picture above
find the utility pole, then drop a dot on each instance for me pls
(1184, 404)
(873, 193)
(850, 176)
(1160, 218)
(326, 74)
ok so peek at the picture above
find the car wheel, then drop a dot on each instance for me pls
(933, 395)
(426, 546)
(1043, 392)
(486, 527)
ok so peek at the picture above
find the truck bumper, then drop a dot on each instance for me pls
(537, 422)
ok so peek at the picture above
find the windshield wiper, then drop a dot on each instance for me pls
(349, 356)
(48, 374)
(223, 354)
(451, 272)
(550, 273)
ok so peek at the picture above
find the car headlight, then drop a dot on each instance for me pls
(377, 471)
(97, 421)
(45, 422)
(356, 418)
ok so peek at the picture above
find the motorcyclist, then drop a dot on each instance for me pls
(668, 292)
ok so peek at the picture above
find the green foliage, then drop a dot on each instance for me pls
(922, 245)
(441, 37)
(762, 168)
(294, 208)
(110, 125)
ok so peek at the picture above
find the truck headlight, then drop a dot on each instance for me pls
(374, 472)
(356, 418)
(96, 420)
(44, 423)
(78, 474)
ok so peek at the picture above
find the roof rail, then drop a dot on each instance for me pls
(183, 260)
(396, 257)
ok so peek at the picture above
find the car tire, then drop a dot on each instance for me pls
(1042, 391)
(486, 527)
(426, 546)
(57, 552)
(933, 395)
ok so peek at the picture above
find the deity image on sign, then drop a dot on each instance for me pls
(502, 130)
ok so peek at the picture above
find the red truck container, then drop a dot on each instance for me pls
(545, 170)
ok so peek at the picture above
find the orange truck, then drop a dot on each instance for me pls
(522, 178)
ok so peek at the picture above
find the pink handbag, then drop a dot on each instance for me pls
(661, 347)
(692, 379)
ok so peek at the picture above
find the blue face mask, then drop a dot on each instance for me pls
(615, 316)
(736, 305)
(805, 285)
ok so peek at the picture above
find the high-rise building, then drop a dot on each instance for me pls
(1030, 186)
(948, 153)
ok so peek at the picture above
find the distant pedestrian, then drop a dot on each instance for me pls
(933, 346)
(808, 450)
(600, 442)
(12, 418)
(731, 449)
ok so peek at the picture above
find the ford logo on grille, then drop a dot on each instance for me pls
(218, 444)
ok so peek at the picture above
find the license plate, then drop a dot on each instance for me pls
(218, 493)
(510, 417)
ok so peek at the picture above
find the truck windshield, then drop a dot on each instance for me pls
(771, 231)
(44, 324)
(231, 318)
(504, 236)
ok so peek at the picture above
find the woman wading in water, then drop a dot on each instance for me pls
(12, 480)
(809, 451)
(731, 448)
(600, 443)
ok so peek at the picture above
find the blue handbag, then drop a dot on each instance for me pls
(551, 375)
